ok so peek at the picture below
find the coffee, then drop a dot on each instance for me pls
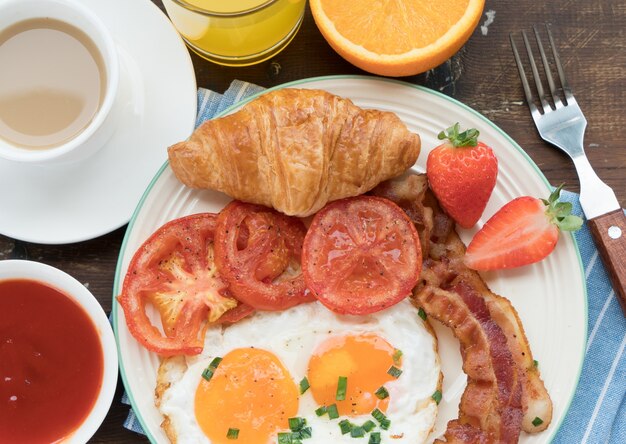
(52, 83)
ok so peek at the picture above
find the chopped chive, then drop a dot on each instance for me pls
(437, 396)
(232, 433)
(382, 393)
(304, 385)
(345, 426)
(374, 438)
(397, 356)
(368, 425)
(342, 385)
(303, 433)
(333, 413)
(357, 432)
(535, 363)
(381, 418)
(284, 438)
(321, 411)
(296, 423)
(215, 362)
(294, 437)
(207, 373)
(537, 421)
(377, 414)
(421, 313)
(394, 371)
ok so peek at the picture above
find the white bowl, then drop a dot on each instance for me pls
(20, 269)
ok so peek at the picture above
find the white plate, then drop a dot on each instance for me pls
(550, 296)
(157, 107)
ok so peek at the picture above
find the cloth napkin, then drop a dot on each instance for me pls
(598, 411)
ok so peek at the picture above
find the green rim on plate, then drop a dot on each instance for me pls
(118, 278)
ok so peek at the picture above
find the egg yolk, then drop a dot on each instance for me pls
(250, 391)
(364, 360)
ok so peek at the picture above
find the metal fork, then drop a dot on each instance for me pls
(560, 121)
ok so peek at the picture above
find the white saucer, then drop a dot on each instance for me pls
(157, 107)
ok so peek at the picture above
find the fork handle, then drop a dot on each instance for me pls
(609, 234)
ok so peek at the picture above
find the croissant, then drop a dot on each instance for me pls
(295, 150)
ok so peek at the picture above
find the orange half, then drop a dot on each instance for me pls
(396, 37)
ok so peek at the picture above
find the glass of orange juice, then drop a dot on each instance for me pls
(236, 32)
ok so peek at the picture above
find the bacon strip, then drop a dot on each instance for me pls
(535, 401)
(504, 391)
(492, 399)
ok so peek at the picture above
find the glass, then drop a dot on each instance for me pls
(236, 32)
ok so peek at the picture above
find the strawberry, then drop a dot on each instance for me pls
(522, 232)
(462, 173)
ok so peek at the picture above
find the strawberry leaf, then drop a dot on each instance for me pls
(468, 137)
(570, 223)
(559, 213)
(562, 209)
(554, 196)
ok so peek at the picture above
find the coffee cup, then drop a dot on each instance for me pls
(58, 82)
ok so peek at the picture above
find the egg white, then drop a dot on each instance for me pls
(292, 335)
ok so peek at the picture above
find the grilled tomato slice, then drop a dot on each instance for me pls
(258, 251)
(361, 255)
(174, 270)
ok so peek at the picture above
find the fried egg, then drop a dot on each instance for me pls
(255, 372)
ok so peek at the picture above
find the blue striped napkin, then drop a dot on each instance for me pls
(598, 412)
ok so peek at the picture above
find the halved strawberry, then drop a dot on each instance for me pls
(522, 232)
(462, 173)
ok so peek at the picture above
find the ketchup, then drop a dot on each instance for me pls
(51, 363)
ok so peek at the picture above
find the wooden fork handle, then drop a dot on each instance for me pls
(609, 234)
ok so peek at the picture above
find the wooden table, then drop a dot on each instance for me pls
(592, 43)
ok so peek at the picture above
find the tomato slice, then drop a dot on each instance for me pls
(361, 255)
(175, 271)
(236, 314)
(258, 253)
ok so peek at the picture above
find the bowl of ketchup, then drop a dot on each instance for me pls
(58, 358)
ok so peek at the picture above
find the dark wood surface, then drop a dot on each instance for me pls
(592, 42)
